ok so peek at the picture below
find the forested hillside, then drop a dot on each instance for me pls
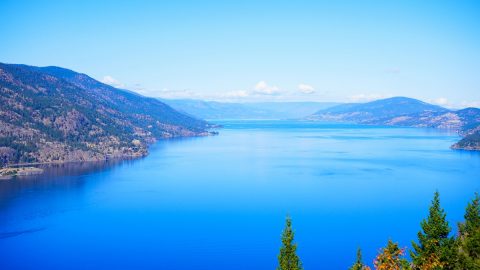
(53, 114)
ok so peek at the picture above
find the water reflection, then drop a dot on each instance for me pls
(55, 176)
(212, 199)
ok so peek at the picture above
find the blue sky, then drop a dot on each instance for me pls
(257, 50)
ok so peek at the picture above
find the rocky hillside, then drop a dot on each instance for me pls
(408, 112)
(52, 114)
(469, 142)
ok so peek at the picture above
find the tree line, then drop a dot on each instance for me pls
(434, 249)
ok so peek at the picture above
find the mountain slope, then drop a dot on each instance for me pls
(470, 130)
(469, 142)
(260, 110)
(53, 114)
(377, 112)
(401, 111)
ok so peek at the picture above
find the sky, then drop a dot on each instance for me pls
(341, 51)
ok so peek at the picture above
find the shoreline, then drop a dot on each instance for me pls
(20, 165)
(9, 173)
(32, 166)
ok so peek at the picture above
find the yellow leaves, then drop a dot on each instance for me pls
(390, 257)
(432, 262)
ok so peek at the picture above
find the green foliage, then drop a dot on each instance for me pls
(21, 153)
(70, 109)
(391, 258)
(470, 141)
(434, 243)
(468, 240)
(288, 258)
(358, 265)
(435, 248)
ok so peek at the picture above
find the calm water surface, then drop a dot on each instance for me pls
(220, 202)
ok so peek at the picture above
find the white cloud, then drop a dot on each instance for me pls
(112, 81)
(261, 91)
(441, 101)
(306, 89)
(263, 88)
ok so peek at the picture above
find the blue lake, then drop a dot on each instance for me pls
(220, 202)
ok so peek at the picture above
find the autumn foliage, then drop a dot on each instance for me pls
(435, 248)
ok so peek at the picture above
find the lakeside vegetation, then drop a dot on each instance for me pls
(434, 249)
(52, 114)
(7, 173)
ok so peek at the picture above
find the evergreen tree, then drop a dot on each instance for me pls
(288, 259)
(358, 265)
(469, 237)
(435, 249)
(391, 258)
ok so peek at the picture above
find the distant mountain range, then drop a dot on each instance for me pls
(213, 110)
(52, 114)
(402, 111)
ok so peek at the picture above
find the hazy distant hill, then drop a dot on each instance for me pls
(261, 110)
(377, 112)
(51, 114)
(402, 111)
